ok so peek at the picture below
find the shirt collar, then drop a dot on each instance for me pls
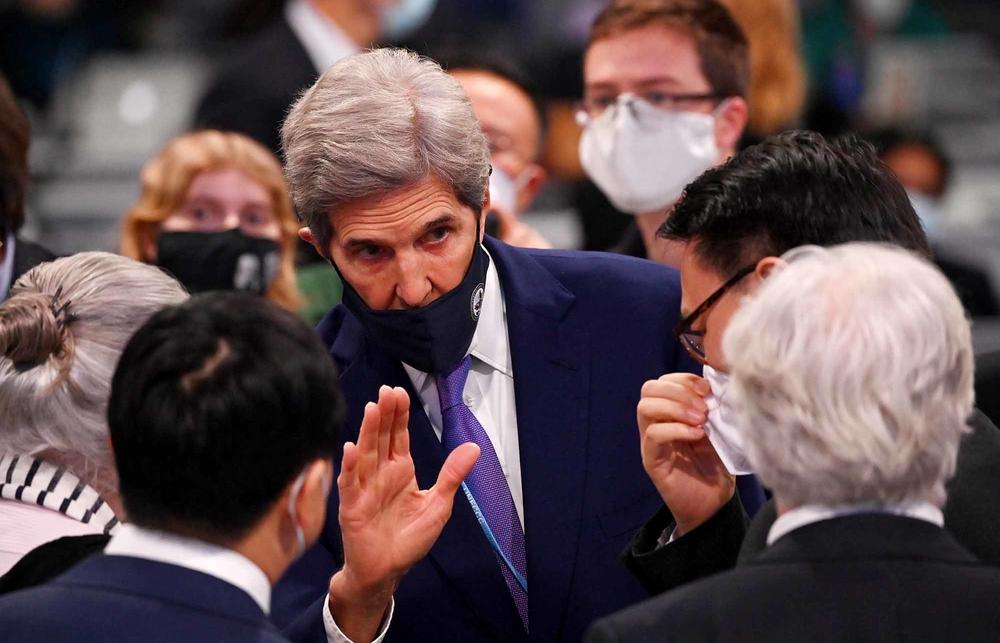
(324, 41)
(809, 514)
(489, 343)
(220, 562)
(7, 266)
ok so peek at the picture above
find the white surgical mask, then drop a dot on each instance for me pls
(928, 211)
(293, 497)
(404, 17)
(504, 190)
(642, 156)
(722, 432)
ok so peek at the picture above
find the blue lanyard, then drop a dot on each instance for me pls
(521, 580)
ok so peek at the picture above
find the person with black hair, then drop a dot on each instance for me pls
(735, 221)
(17, 255)
(223, 424)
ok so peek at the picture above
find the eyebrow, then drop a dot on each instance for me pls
(447, 219)
(649, 82)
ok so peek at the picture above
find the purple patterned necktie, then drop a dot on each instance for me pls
(487, 481)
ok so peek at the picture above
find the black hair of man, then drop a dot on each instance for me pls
(217, 404)
(790, 190)
(499, 65)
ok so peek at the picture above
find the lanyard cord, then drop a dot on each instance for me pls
(521, 580)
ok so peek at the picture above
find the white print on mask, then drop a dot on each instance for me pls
(725, 436)
(642, 157)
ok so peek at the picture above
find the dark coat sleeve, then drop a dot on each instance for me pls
(45, 562)
(711, 548)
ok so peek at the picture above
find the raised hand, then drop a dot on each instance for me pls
(676, 454)
(387, 523)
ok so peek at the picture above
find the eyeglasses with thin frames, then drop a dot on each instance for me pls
(693, 341)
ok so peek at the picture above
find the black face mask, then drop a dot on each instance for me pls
(227, 260)
(436, 336)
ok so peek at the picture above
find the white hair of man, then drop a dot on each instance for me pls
(376, 122)
(61, 333)
(852, 373)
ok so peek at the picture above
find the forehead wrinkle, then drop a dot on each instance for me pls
(389, 215)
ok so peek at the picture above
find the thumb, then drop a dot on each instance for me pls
(455, 469)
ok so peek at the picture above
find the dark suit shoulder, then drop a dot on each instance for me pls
(27, 255)
(883, 597)
(49, 560)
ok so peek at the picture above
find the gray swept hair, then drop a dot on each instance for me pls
(376, 122)
(61, 333)
(852, 373)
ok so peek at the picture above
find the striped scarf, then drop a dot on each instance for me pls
(33, 481)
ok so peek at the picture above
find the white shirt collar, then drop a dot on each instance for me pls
(220, 562)
(324, 41)
(809, 514)
(7, 266)
(489, 343)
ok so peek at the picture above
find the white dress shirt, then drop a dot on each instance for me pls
(809, 514)
(221, 562)
(489, 391)
(7, 266)
(324, 41)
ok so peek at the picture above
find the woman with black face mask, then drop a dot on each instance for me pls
(215, 213)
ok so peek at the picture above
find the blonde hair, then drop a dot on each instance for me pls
(61, 333)
(777, 91)
(167, 178)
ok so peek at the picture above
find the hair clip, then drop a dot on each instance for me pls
(60, 309)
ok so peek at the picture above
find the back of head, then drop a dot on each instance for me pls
(852, 370)
(61, 333)
(15, 134)
(376, 122)
(216, 405)
(721, 45)
(793, 189)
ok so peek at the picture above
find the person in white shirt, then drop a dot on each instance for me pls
(223, 424)
(851, 382)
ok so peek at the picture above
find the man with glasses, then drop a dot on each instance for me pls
(734, 222)
(664, 100)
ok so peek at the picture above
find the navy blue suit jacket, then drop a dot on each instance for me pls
(586, 330)
(119, 598)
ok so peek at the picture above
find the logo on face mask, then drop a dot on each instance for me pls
(476, 303)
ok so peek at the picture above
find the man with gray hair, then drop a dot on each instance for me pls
(536, 356)
(856, 435)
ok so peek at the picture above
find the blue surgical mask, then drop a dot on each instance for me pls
(404, 18)
(436, 336)
(928, 211)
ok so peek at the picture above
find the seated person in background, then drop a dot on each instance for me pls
(513, 120)
(790, 190)
(215, 212)
(224, 417)
(924, 170)
(851, 382)
(61, 333)
(17, 255)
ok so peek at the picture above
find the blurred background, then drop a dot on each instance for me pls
(108, 82)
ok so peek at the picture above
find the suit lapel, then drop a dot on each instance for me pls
(551, 377)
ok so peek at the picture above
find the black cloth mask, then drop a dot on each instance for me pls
(436, 336)
(227, 260)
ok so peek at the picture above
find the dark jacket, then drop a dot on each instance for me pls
(862, 578)
(120, 598)
(971, 515)
(586, 330)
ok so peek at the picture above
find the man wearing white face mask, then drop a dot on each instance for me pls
(735, 221)
(512, 119)
(664, 100)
